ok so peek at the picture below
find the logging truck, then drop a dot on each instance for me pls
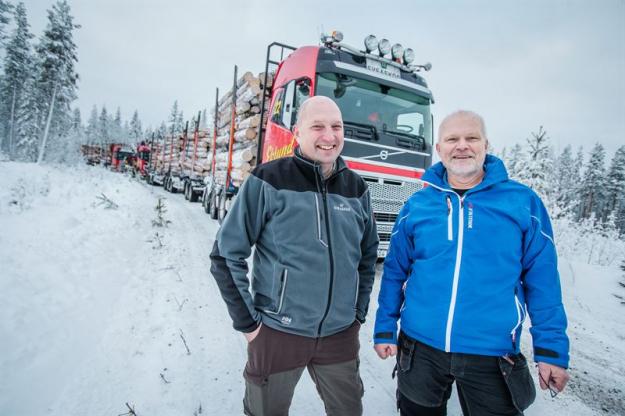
(384, 101)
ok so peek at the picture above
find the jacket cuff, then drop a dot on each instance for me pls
(548, 356)
(249, 328)
(385, 338)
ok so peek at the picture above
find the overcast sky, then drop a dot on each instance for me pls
(521, 64)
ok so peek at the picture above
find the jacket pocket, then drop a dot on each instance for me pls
(405, 353)
(319, 225)
(516, 374)
(284, 276)
(521, 313)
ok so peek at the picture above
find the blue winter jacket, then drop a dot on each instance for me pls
(462, 272)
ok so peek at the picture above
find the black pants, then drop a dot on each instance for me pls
(497, 386)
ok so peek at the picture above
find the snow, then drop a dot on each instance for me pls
(94, 314)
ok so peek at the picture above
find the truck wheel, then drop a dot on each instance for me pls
(193, 197)
(205, 202)
(222, 211)
(213, 209)
(186, 191)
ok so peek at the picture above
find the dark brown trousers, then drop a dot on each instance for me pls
(276, 361)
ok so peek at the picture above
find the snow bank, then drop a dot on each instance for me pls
(96, 311)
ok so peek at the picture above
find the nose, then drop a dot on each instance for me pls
(462, 144)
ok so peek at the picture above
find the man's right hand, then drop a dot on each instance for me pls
(249, 336)
(385, 350)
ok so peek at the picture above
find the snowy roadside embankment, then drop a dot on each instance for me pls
(97, 311)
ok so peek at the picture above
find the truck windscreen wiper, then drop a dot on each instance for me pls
(408, 140)
(360, 131)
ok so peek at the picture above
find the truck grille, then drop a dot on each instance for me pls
(384, 237)
(385, 217)
(389, 196)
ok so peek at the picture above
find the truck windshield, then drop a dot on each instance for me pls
(388, 110)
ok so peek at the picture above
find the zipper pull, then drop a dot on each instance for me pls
(448, 204)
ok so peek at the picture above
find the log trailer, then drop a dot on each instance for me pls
(385, 104)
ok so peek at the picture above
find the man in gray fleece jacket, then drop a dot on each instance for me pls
(310, 220)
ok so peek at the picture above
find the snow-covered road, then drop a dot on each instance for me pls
(95, 313)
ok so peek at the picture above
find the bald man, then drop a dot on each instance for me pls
(309, 218)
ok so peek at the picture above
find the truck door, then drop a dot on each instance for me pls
(279, 140)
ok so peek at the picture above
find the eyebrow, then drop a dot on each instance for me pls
(323, 121)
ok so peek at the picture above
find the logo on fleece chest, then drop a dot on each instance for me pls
(342, 207)
(469, 215)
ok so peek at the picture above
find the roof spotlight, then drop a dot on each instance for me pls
(397, 51)
(337, 36)
(371, 43)
(408, 56)
(384, 46)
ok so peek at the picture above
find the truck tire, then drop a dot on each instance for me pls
(213, 207)
(186, 191)
(205, 201)
(193, 197)
(221, 208)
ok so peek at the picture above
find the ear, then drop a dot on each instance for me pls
(438, 149)
(296, 133)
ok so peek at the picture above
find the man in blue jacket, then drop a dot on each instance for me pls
(471, 255)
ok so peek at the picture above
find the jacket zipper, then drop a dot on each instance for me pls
(324, 192)
(450, 221)
(454, 290)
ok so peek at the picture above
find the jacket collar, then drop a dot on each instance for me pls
(312, 167)
(494, 172)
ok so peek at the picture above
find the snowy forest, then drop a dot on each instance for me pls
(39, 121)
(39, 84)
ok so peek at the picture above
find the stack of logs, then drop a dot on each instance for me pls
(249, 94)
(202, 164)
(168, 155)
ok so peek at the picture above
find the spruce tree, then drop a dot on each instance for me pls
(104, 123)
(116, 127)
(5, 10)
(136, 132)
(537, 169)
(592, 192)
(615, 183)
(29, 117)
(173, 117)
(57, 79)
(566, 182)
(17, 63)
(515, 160)
(91, 131)
(75, 137)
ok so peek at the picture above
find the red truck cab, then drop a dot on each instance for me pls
(385, 105)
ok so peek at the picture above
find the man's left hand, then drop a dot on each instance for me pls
(557, 377)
